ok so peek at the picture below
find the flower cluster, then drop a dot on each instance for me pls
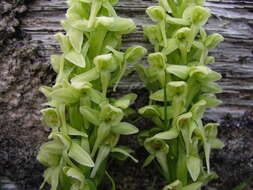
(181, 88)
(85, 123)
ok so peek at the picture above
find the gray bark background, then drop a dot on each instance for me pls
(26, 42)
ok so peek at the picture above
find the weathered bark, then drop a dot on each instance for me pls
(21, 73)
(234, 57)
(24, 66)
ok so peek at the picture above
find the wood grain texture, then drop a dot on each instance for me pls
(234, 57)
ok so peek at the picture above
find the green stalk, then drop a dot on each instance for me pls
(166, 124)
(121, 73)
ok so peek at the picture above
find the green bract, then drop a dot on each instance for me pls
(181, 88)
(85, 123)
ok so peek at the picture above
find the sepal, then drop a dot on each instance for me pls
(156, 13)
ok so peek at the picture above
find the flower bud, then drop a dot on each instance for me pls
(134, 54)
(157, 60)
(111, 115)
(105, 63)
(50, 117)
(198, 109)
(197, 15)
(116, 24)
(153, 33)
(213, 40)
(183, 34)
(201, 73)
(211, 130)
(211, 100)
(153, 146)
(177, 88)
(64, 42)
(180, 71)
(209, 60)
(156, 13)
(47, 158)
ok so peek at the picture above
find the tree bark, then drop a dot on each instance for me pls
(234, 57)
(26, 43)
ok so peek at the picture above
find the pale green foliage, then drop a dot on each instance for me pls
(181, 88)
(85, 123)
